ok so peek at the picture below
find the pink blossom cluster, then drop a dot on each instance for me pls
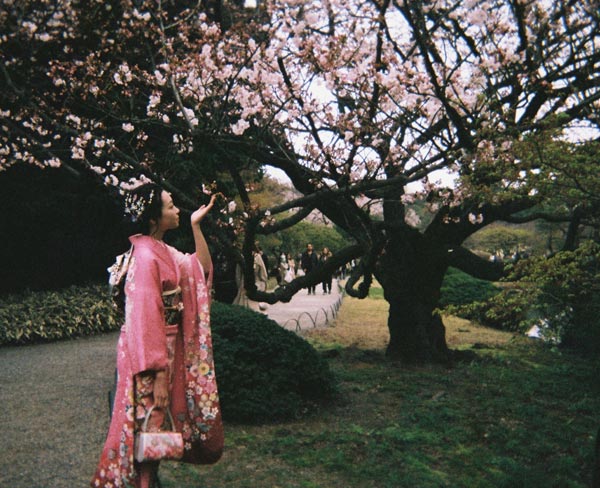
(354, 91)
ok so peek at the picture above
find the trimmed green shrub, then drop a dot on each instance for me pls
(459, 288)
(265, 372)
(50, 315)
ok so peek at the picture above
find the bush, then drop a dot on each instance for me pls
(506, 310)
(560, 295)
(459, 288)
(50, 315)
(265, 372)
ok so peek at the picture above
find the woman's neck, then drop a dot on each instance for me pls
(156, 234)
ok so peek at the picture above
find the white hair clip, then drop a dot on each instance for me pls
(135, 205)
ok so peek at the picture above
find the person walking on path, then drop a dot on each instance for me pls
(282, 267)
(261, 275)
(290, 274)
(260, 279)
(308, 262)
(164, 352)
(326, 283)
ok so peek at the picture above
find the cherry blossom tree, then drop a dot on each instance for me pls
(368, 106)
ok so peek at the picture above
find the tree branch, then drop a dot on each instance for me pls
(286, 292)
(474, 265)
(285, 223)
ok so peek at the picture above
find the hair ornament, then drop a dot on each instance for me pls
(136, 204)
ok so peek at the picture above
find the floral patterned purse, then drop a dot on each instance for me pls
(161, 445)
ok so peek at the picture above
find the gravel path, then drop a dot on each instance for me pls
(54, 401)
(55, 411)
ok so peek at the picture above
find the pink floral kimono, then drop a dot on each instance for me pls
(167, 327)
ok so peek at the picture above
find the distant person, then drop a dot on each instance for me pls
(309, 262)
(261, 276)
(282, 268)
(326, 283)
(290, 274)
(299, 270)
(260, 279)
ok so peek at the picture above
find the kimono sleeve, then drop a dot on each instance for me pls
(190, 267)
(144, 314)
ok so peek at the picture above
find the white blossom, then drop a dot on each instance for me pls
(411, 218)
(30, 26)
(475, 219)
(160, 79)
(52, 162)
(77, 152)
(145, 16)
(240, 127)
(190, 116)
(111, 180)
(74, 118)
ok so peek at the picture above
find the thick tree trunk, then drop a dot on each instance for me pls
(416, 333)
(411, 277)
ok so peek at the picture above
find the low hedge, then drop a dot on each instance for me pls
(265, 372)
(51, 315)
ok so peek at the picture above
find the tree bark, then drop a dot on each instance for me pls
(417, 335)
(411, 272)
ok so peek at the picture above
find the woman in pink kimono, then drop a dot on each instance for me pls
(164, 353)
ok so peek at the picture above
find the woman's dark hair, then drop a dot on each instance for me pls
(142, 205)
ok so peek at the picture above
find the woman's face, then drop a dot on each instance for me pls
(169, 218)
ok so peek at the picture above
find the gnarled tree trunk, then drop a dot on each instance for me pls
(411, 274)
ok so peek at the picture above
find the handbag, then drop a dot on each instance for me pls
(161, 445)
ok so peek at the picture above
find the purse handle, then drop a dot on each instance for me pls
(168, 416)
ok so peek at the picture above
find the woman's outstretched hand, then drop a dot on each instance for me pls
(199, 214)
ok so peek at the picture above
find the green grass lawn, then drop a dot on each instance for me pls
(516, 414)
